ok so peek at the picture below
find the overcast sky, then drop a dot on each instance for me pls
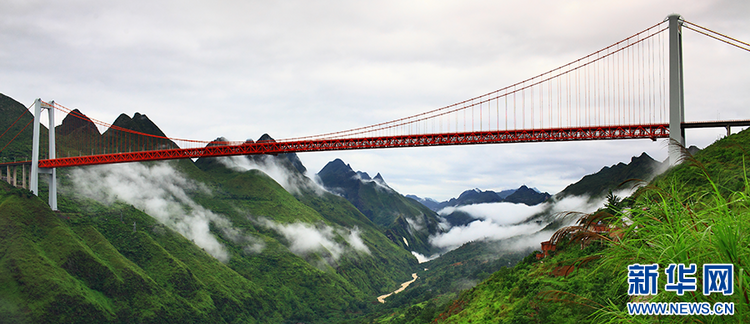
(238, 69)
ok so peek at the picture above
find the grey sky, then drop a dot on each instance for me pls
(239, 69)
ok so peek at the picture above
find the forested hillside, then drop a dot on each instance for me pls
(184, 241)
(697, 212)
(407, 223)
(252, 239)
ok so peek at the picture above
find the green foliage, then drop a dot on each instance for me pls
(400, 218)
(114, 273)
(20, 148)
(89, 264)
(614, 177)
(698, 212)
(70, 268)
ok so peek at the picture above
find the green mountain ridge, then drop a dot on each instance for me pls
(217, 241)
(696, 212)
(152, 273)
(405, 222)
(14, 122)
(615, 177)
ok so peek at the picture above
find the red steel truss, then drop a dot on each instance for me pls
(652, 131)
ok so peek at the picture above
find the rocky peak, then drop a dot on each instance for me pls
(75, 120)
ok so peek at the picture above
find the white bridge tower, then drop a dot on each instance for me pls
(35, 170)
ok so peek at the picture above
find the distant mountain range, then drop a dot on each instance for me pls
(614, 177)
(522, 195)
(404, 221)
(232, 239)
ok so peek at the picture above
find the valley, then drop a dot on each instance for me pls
(262, 239)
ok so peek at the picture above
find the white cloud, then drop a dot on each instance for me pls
(500, 221)
(239, 69)
(290, 181)
(306, 238)
(422, 259)
(160, 191)
(415, 224)
(480, 230)
(501, 213)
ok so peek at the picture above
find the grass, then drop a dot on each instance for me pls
(675, 223)
(696, 213)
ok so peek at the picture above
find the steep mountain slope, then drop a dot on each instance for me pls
(406, 222)
(190, 242)
(14, 118)
(96, 267)
(256, 196)
(692, 213)
(642, 168)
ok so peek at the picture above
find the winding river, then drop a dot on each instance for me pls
(382, 298)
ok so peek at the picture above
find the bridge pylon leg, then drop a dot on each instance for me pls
(35, 170)
(676, 94)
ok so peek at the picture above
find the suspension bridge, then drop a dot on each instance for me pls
(632, 89)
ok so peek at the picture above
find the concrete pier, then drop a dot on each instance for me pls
(16, 174)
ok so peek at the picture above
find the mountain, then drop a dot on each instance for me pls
(522, 195)
(215, 240)
(613, 177)
(474, 196)
(76, 121)
(96, 267)
(584, 280)
(406, 222)
(139, 123)
(527, 196)
(291, 157)
(252, 196)
(13, 120)
(115, 139)
(427, 202)
(251, 239)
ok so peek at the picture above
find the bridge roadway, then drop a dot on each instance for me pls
(653, 132)
(650, 131)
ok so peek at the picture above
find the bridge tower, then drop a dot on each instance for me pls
(35, 170)
(676, 95)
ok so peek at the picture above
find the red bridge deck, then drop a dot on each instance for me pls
(653, 132)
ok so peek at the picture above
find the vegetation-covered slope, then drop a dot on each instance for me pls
(115, 259)
(642, 168)
(179, 281)
(13, 123)
(94, 267)
(406, 222)
(697, 212)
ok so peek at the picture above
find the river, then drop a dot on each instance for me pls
(382, 298)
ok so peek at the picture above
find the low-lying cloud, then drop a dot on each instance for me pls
(416, 224)
(501, 213)
(162, 192)
(305, 238)
(499, 221)
(480, 230)
(292, 182)
(422, 258)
